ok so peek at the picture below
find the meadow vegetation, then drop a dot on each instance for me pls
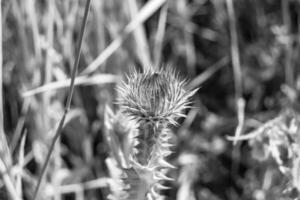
(210, 86)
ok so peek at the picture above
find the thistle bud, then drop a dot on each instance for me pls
(155, 96)
(153, 100)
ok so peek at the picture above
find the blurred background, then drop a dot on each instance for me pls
(243, 55)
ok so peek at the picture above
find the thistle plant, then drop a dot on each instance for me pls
(151, 102)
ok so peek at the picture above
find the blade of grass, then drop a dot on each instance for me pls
(140, 37)
(237, 72)
(47, 70)
(80, 80)
(68, 103)
(17, 12)
(100, 28)
(201, 78)
(190, 50)
(9, 185)
(5, 156)
(288, 63)
(4, 150)
(260, 130)
(20, 125)
(89, 185)
(20, 165)
(150, 8)
(32, 15)
(162, 22)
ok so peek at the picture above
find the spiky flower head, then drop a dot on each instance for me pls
(154, 96)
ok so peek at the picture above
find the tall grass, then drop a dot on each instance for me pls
(81, 142)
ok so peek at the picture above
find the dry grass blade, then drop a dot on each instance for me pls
(81, 80)
(4, 151)
(201, 78)
(150, 8)
(17, 11)
(20, 165)
(89, 185)
(160, 35)
(32, 17)
(259, 130)
(10, 187)
(140, 37)
(5, 157)
(237, 72)
(289, 68)
(68, 103)
(1, 72)
(20, 125)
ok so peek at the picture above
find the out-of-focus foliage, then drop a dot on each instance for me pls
(39, 39)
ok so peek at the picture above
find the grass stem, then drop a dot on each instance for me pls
(237, 72)
(68, 103)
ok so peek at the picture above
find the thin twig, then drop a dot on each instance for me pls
(151, 7)
(68, 103)
(237, 72)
